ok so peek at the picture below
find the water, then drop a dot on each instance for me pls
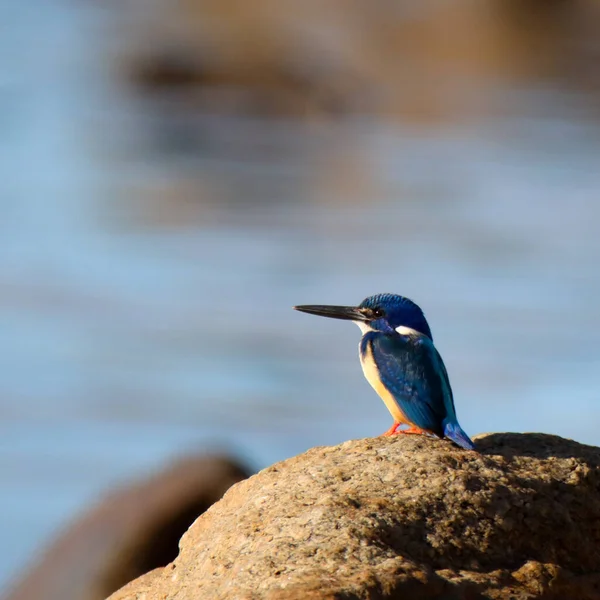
(145, 290)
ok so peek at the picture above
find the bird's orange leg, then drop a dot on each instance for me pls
(412, 429)
(392, 429)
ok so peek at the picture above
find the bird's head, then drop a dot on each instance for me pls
(382, 312)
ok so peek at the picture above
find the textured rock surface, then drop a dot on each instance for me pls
(129, 532)
(406, 517)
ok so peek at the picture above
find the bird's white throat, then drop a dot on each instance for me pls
(364, 327)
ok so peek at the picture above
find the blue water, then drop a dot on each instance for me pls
(145, 293)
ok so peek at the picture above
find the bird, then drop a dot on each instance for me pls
(402, 365)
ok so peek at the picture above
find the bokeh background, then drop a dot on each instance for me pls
(177, 175)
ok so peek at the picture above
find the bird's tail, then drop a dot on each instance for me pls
(454, 432)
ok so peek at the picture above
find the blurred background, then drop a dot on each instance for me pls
(177, 175)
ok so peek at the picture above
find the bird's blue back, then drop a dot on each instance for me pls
(413, 372)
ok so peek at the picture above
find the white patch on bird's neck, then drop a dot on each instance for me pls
(402, 330)
(364, 327)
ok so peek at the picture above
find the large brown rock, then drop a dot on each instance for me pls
(403, 517)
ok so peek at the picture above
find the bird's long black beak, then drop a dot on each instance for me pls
(348, 313)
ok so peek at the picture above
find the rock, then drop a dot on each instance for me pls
(402, 517)
(318, 60)
(130, 532)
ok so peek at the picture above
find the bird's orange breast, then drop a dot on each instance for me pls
(372, 375)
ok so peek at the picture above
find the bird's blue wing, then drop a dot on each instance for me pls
(413, 372)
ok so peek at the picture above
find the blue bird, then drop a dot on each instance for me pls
(402, 365)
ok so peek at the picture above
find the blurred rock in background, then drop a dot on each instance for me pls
(129, 533)
(427, 61)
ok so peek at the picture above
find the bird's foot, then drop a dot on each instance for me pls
(392, 429)
(412, 430)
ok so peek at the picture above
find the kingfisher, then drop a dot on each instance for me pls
(402, 365)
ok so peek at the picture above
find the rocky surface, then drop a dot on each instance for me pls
(401, 517)
(130, 532)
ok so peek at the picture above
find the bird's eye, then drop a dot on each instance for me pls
(378, 312)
